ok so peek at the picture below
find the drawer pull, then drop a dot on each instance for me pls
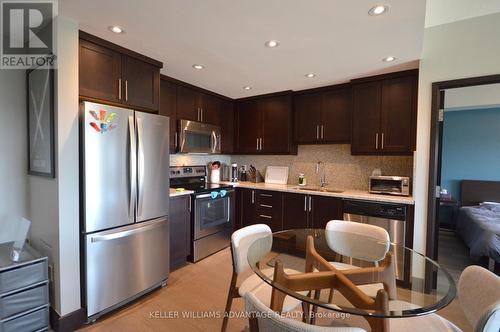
(265, 216)
(266, 195)
(267, 206)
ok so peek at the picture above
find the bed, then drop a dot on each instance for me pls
(478, 221)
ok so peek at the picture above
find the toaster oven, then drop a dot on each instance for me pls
(390, 185)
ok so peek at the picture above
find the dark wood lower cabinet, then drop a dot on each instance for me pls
(261, 207)
(310, 211)
(295, 211)
(180, 230)
(324, 209)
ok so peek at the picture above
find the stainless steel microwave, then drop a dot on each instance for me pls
(198, 137)
(391, 185)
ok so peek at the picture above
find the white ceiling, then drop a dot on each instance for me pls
(336, 39)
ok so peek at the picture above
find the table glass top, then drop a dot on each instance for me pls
(314, 261)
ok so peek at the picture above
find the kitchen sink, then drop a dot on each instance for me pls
(327, 190)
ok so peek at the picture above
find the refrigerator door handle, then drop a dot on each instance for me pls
(132, 165)
(113, 236)
(140, 167)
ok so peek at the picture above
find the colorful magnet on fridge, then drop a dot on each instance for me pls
(110, 117)
(94, 115)
(102, 115)
(104, 128)
(95, 126)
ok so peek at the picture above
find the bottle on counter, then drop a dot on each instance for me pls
(302, 179)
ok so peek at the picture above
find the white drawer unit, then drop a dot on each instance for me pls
(24, 291)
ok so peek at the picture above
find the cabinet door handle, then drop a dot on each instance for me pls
(257, 148)
(253, 196)
(175, 140)
(322, 131)
(126, 90)
(201, 114)
(189, 204)
(376, 141)
(305, 203)
(310, 203)
(382, 141)
(260, 149)
(265, 216)
(317, 131)
(120, 88)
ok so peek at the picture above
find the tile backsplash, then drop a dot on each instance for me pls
(343, 170)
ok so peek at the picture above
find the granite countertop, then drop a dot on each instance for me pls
(174, 193)
(352, 194)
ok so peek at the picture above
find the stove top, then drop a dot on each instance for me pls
(193, 178)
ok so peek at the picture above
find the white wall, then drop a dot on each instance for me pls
(448, 11)
(54, 203)
(462, 49)
(13, 160)
(472, 97)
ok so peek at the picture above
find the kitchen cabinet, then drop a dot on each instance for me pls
(109, 73)
(198, 106)
(168, 104)
(261, 207)
(323, 116)
(180, 230)
(227, 127)
(264, 125)
(384, 114)
(310, 211)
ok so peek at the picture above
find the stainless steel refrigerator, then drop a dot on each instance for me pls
(125, 197)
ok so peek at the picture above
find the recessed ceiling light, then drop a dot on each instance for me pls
(116, 29)
(310, 75)
(198, 66)
(272, 43)
(389, 59)
(247, 87)
(378, 10)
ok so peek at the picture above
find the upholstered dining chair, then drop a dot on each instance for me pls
(479, 296)
(337, 237)
(240, 244)
(263, 319)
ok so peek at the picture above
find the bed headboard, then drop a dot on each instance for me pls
(475, 192)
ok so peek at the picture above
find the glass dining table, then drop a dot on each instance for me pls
(350, 274)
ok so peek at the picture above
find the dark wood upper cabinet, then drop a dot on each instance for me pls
(307, 111)
(249, 126)
(188, 101)
(112, 74)
(398, 114)
(384, 114)
(141, 83)
(336, 116)
(99, 72)
(366, 118)
(227, 127)
(323, 116)
(210, 109)
(276, 124)
(168, 104)
(264, 125)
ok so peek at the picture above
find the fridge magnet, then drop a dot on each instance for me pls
(104, 122)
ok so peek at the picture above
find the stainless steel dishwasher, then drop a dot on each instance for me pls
(391, 217)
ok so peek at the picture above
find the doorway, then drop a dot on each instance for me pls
(463, 112)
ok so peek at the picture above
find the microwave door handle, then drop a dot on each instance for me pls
(214, 141)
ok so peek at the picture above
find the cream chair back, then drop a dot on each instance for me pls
(479, 295)
(268, 320)
(241, 241)
(341, 238)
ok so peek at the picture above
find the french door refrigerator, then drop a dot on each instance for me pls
(125, 198)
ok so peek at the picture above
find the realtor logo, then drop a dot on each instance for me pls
(27, 34)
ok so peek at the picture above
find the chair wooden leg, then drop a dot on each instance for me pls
(230, 296)
(253, 322)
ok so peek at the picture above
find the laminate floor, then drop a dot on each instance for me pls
(193, 293)
(453, 253)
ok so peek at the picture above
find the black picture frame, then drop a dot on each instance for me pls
(40, 122)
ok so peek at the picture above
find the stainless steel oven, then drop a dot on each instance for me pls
(213, 215)
(198, 137)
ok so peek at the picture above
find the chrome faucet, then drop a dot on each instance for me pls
(322, 174)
